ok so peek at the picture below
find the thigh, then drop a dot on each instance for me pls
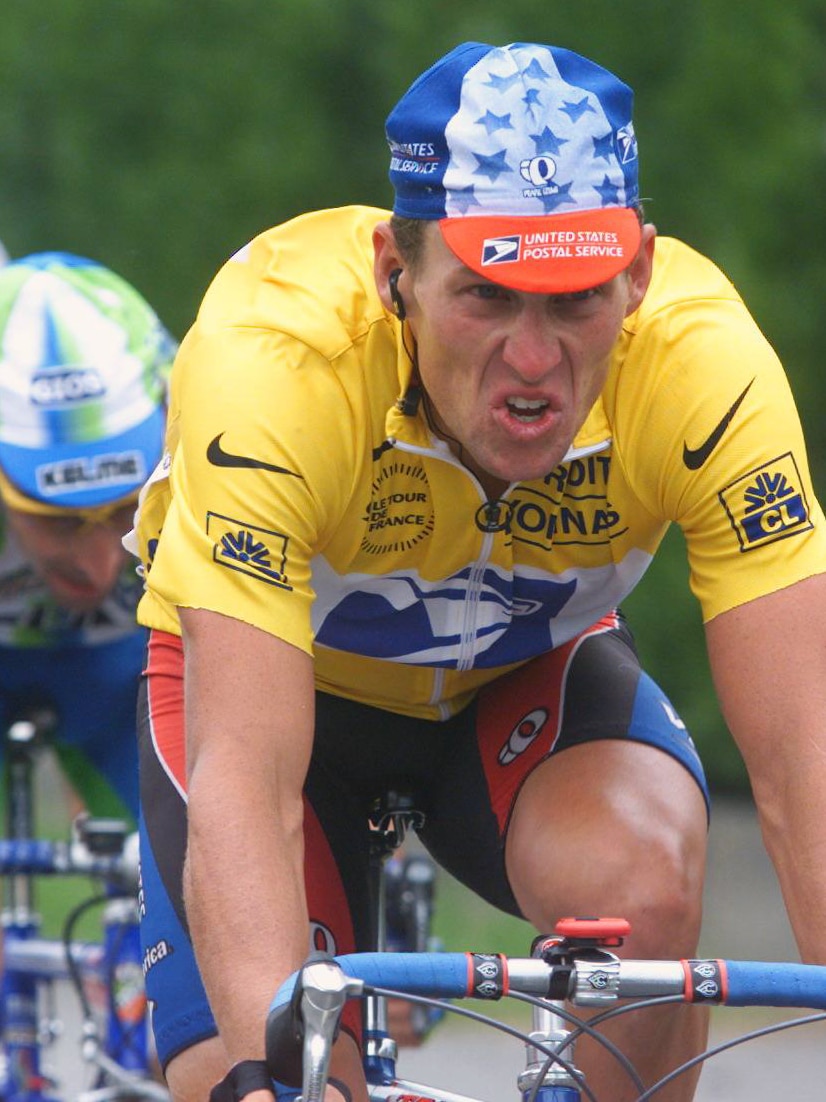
(97, 734)
(589, 691)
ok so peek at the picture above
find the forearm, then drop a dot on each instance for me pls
(249, 729)
(246, 908)
(769, 663)
(791, 803)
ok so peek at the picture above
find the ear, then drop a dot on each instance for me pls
(386, 258)
(641, 268)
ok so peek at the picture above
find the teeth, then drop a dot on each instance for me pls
(523, 409)
(525, 403)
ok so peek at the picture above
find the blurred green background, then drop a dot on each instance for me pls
(158, 137)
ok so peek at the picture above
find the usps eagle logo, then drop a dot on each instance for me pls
(501, 250)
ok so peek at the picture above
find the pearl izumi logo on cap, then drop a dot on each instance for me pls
(538, 171)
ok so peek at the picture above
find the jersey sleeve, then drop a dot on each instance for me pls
(711, 439)
(260, 470)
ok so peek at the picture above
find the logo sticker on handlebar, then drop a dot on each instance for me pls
(599, 980)
(706, 979)
(488, 976)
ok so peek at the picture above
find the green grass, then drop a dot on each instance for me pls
(464, 922)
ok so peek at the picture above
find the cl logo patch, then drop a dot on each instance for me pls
(768, 504)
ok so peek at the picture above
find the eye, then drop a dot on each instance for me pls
(575, 296)
(62, 526)
(489, 292)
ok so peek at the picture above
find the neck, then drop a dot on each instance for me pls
(493, 486)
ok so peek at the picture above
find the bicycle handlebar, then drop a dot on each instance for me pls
(315, 995)
(587, 982)
(39, 857)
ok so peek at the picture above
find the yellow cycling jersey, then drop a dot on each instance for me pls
(302, 495)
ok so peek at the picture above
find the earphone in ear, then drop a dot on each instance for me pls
(395, 294)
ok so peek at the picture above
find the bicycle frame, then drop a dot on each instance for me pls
(394, 816)
(120, 1050)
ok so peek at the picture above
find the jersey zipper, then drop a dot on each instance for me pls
(467, 647)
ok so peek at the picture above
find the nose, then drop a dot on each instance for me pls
(532, 346)
(103, 551)
(96, 556)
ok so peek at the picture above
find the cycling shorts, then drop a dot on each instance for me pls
(464, 774)
(93, 692)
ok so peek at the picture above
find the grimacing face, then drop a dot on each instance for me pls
(510, 375)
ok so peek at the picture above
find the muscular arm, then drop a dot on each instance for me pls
(768, 660)
(249, 723)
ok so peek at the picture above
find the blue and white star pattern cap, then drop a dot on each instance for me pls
(84, 362)
(526, 155)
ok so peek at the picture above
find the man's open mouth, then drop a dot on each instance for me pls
(525, 409)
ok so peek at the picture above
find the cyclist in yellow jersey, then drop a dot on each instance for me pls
(414, 464)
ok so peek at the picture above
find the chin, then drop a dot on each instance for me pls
(513, 468)
(79, 607)
(528, 474)
(77, 602)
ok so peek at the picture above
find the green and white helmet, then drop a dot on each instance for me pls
(84, 364)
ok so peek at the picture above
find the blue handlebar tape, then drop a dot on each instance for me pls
(27, 855)
(759, 983)
(438, 975)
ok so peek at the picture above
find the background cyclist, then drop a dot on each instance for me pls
(83, 366)
(415, 465)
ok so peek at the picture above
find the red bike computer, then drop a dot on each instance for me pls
(605, 931)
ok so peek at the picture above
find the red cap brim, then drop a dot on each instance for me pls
(548, 254)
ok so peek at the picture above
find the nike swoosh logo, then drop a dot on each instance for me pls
(694, 458)
(219, 458)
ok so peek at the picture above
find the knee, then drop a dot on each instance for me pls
(657, 884)
(629, 858)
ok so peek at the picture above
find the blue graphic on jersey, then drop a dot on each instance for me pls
(244, 547)
(478, 616)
